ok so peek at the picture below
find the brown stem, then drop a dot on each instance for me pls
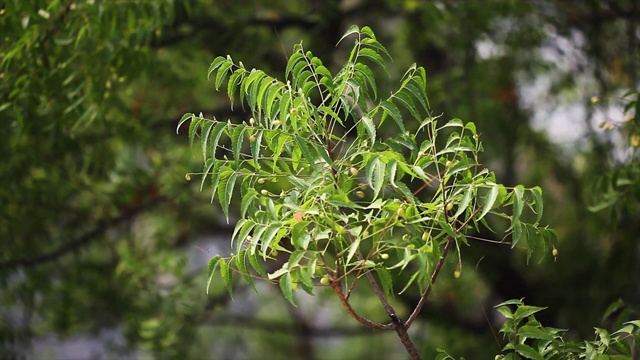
(364, 321)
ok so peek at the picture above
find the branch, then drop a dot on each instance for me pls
(82, 240)
(335, 284)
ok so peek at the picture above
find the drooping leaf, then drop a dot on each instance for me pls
(373, 56)
(286, 286)
(243, 268)
(186, 117)
(353, 29)
(386, 280)
(464, 203)
(226, 273)
(217, 62)
(369, 126)
(375, 171)
(518, 194)
(222, 72)
(211, 269)
(193, 128)
(539, 205)
(490, 200)
(391, 109)
(257, 264)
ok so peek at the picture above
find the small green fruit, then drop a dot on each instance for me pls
(360, 194)
(425, 236)
(264, 192)
(456, 274)
(261, 181)
(554, 252)
(449, 206)
(324, 280)
(353, 171)
(384, 256)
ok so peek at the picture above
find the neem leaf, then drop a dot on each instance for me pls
(226, 273)
(211, 269)
(286, 286)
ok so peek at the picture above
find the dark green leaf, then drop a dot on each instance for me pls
(243, 268)
(226, 273)
(391, 109)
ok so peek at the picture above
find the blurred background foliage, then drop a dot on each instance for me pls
(104, 241)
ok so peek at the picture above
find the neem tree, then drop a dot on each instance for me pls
(319, 182)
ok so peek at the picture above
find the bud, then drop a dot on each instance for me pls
(360, 194)
(324, 280)
(384, 256)
(188, 177)
(554, 252)
(264, 192)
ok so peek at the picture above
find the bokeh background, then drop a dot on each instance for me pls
(104, 243)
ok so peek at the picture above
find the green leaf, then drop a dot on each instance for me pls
(216, 133)
(222, 72)
(208, 165)
(352, 249)
(392, 110)
(464, 203)
(257, 264)
(241, 231)
(300, 236)
(517, 233)
(247, 199)
(185, 118)
(286, 286)
(204, 137)
(386, 280)
(518, 194)
(217, 62)
(408, 103)
(537, 196)
(232, 85)
(226, 273)
(528, 352)
(490, 200)
(241, 264)
(193, 128)
(226, 183)
(375, 171)
(373, 56)
(211, 269)
(293, 60)
(524, 311)
(270, 236)
(353, 29)
(237, 138)
(533, 332)
(369, 127)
